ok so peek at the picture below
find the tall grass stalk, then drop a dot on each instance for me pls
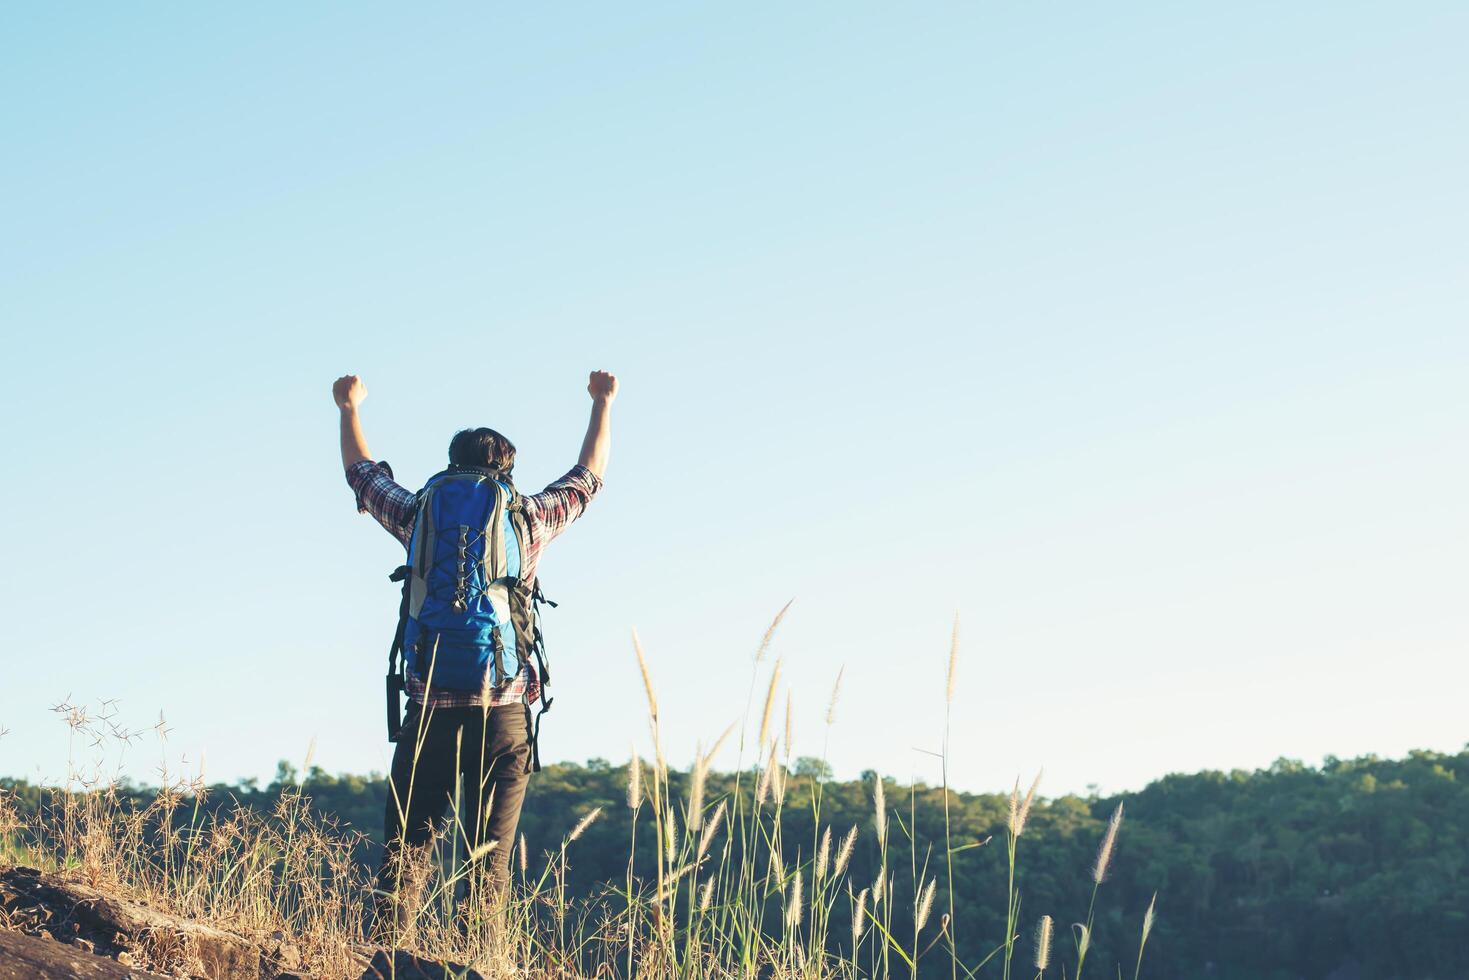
(1099, 874)
(1143, 939)
(949, 678)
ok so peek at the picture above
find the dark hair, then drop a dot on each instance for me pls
(482, 447)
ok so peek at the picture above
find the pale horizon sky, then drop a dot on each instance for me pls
(1135, 337)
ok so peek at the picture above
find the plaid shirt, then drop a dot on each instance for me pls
(547, 514)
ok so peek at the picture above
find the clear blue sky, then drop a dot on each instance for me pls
(1134, 334)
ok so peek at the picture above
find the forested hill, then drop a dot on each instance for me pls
(1358, 868)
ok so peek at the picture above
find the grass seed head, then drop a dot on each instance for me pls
(788, 725)
(823, 855)
(696, 792)
(793, 903)
(879, 809)
(1024, 812)
(859, 916)
(710, 828)
(769, 704)
(1104, 853)
(762, 789)
(925, 906)
(584, 823)
(637, 646)
(706, 895)
(953, 660)
(770, 632)
(1043, 943)
(836, 693)
(845, 854)
(718, 744)
(634, 782)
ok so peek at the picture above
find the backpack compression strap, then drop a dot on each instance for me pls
(535, 599)
(404, 574)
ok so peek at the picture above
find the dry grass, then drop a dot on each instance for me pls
(730, 896)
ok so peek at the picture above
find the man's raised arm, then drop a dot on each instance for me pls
(348, 392)
(597, 445)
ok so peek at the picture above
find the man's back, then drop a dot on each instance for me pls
(472, 748)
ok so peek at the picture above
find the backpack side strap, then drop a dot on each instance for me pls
(404, 574)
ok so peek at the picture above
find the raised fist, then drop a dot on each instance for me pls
(602, 386)
(348, 391)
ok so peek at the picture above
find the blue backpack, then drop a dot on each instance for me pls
(468, 619)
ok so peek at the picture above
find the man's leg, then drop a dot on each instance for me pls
(419, 789)
(496, 771)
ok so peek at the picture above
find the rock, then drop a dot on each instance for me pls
(183, 946)
(399, 965)
(25, 957)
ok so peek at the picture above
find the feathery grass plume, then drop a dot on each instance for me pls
(670, 833)
(696, 792)
(877, 889)
(584, 823)
(925, 906)
(1014, 808)
(634, 782)
(823, 855)
(953, 661)
(1143, 942)
(859, 916)
(777, 864)
(778, 783)
(879, 809)
(1024, 813)
(718, 744)
(637, 646)
(710, 828)
(769, 703)
(836, 692)
(1043, 943)
(670, 884)
(524, 856)
(788, 724)
(1104, 853)
(762, 789)
(706, 895)
(770, 632)
(845, 854)
(476, 854)
(793, 904)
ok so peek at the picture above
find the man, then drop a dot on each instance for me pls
(471, 652)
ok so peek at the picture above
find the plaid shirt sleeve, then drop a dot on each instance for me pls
(554, 508)
(378, 494)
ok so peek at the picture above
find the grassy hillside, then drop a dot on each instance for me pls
(1293, 871)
